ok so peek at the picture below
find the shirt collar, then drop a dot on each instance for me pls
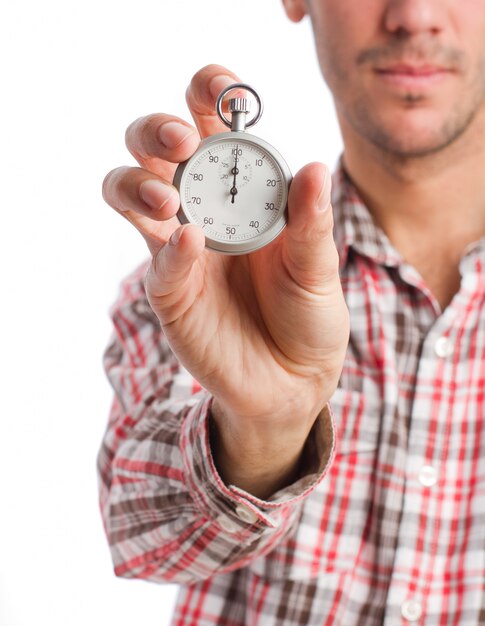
(354, 226)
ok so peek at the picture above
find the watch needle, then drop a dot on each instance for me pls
(235, 172)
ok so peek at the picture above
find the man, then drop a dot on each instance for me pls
(291, 478)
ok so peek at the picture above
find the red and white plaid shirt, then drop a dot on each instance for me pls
(387, 526)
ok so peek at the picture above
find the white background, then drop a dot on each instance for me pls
(73, 76)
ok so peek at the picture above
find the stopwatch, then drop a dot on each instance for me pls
(235, 186)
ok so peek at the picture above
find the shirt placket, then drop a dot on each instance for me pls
(417, 561)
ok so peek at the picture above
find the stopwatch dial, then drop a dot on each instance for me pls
(234, 190)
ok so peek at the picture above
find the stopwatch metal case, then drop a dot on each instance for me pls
(242, 247)
(239, 108)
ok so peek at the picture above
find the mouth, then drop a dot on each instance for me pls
(413, 76)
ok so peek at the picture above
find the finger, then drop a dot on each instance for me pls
(171, 284)
(145, 200)
(311, 255)
(159, 141)
(202, 94)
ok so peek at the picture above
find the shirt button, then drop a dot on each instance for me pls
(443, 347)
(227, 524)
(246, 514)
(428, 476)
(411, 610)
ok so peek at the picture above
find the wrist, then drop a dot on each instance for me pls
(289, 423)
(259, 456)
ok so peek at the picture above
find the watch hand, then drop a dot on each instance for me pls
(235, 172)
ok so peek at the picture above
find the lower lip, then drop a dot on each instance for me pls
(413, 81)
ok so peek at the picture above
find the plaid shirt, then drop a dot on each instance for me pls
(387, 524)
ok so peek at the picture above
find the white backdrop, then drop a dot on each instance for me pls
(73, 76)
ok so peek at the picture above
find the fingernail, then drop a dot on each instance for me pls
(172, 134)
(175, 238)
(155, 194)
(323, 201)
(218, 83)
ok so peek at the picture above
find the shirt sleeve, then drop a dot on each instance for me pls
(167, 514)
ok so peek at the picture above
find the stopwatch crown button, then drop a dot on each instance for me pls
(239, 105)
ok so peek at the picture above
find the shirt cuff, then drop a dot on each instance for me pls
(239, 508)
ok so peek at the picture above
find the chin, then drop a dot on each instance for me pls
(412, 133)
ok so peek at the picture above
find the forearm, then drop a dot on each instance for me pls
(260, 458)
(165, 501)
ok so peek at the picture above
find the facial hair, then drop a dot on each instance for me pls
(425, 52)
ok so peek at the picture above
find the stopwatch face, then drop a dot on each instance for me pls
(235, 188)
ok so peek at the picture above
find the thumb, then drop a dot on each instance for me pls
(312, 258)
(171, 284)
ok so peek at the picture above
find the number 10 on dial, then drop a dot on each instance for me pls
(235, 186)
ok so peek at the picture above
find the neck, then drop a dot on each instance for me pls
(430, 207)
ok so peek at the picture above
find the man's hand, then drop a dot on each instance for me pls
(265, 333)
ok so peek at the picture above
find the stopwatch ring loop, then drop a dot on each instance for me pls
(220, 98)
